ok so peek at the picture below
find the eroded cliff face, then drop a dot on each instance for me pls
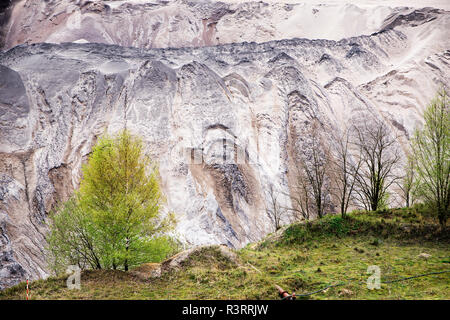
(184, 23)
(248, 103)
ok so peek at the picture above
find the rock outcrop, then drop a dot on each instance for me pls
(212, 255)
(224, 121)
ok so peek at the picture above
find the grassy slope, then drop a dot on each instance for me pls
(304, 258)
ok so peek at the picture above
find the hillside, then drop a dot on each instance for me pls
(225, 95)
(302, 257)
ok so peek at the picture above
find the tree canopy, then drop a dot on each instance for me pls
(115, 219)
(430, 147)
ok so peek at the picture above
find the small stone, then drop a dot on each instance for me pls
(424, 255)
(345, 292)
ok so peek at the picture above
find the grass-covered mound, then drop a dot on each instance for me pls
(303, 257)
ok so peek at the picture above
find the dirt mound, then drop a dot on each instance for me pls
(147, 270)
(215, 256)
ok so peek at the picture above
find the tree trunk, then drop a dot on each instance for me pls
(442, 217)
(126, 259)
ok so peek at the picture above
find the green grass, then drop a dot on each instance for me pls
(307, 257)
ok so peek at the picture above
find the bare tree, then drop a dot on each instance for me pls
(408, 184)
(275, 210)
(379, 158)
(301, 197)
(345, 170)
(312, 194)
